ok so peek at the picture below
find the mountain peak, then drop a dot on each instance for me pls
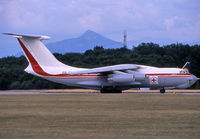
(89, 34)
(89, 31)
(88, 40)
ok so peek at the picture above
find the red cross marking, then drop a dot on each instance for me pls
(153, 80)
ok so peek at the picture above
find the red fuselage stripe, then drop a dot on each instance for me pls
(169, 75)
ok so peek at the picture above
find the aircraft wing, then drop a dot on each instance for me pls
(107, 69)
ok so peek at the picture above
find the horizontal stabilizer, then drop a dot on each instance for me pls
(121, 67)
(28, 36)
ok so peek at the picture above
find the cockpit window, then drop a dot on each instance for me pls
(184, 71)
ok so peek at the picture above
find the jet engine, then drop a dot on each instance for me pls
(121, 77)
(139, 77)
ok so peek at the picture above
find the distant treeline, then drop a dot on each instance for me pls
(12, 75)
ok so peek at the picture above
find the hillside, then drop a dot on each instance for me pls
(12, 75)
(86, 41)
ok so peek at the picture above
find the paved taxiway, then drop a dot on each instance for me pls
(92, 93)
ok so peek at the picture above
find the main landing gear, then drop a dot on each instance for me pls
(110, 91)
(162, 90)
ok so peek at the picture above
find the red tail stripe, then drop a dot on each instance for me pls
(36, 67)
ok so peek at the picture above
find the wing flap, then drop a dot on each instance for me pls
(106, 69)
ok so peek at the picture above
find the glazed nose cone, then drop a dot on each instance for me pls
(194, 79)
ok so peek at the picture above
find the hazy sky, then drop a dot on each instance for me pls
(177, 20)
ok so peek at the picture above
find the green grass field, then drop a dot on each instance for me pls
(99, 116)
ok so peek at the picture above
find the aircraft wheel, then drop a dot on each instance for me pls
(103, 91)
(162, 90)
(110, 91)
(117, 91)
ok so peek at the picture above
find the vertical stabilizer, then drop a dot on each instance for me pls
(39, 57)
(187, 66)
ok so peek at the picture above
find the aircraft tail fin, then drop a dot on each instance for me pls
(187, 66)
(38, 56)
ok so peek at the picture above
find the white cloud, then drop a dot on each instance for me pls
(169, 23)
(92, 21)
(1, 8)
(19, 15)
(141, 18)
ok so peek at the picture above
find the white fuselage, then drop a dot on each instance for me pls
(164, 78)
(117, 77)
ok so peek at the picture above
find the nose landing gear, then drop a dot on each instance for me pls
(162, 90)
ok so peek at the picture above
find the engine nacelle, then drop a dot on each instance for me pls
(139, 77)
(120, 78)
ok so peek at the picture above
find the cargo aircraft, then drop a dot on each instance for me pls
(108, 79)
